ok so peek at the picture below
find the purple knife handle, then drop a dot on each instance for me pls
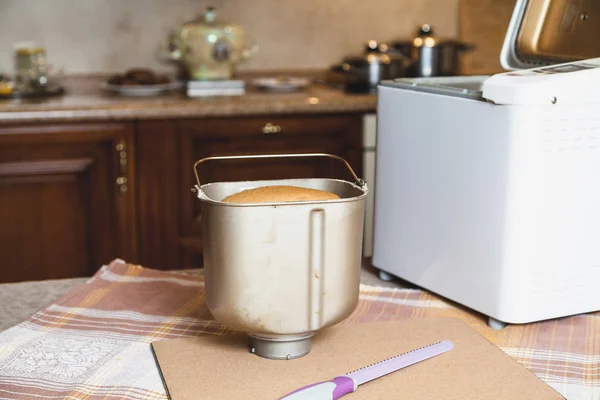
(328, 390)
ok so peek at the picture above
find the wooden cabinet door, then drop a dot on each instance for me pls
(339, 135)
(66, 200)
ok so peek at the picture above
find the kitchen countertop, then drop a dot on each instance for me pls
(18, 301)
(85, 100)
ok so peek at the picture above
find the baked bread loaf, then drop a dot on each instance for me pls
(279, 193)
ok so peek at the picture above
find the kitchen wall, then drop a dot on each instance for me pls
(483, 23)
(112, 35)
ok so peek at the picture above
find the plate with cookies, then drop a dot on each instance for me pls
(141, 82)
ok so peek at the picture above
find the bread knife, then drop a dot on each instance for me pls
(348, 383)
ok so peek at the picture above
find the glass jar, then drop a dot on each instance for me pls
(30, 62)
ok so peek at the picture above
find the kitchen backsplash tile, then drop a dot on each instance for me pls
(112, 35)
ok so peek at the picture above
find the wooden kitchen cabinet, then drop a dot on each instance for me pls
(169, 214)
(73, 197)
(67, 196)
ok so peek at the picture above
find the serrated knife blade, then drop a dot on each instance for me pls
(348, 383)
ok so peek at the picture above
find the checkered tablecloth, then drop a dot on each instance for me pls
(94, 342)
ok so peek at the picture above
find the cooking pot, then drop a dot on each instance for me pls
(431, 56)
(363, 72)
(282, 271)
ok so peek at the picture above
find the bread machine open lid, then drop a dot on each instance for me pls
(552, 53)
(549, 32)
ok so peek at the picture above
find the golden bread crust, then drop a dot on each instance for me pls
(279, 193)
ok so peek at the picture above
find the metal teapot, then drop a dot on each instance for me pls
(208, 49)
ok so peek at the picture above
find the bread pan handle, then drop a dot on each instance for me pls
(357, 180)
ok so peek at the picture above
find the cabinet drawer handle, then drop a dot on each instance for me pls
(121, 148)
(270, 128)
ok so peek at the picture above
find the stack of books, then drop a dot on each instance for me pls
(215, 88)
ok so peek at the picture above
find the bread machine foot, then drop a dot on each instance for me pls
(495, 324)
(384, 276)
(280, 347)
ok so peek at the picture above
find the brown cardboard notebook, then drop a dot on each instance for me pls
(221, 367)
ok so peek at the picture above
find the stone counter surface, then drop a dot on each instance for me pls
(86, 100)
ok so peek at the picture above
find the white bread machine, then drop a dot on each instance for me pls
(488, 187)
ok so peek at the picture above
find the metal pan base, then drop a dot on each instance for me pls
(280, 347)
